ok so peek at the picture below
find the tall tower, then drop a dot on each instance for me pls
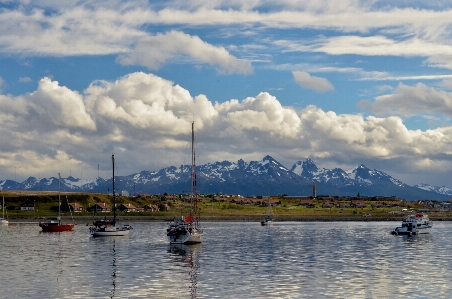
(314, 191)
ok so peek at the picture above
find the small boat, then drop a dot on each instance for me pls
(3, 220)
(105, 227)
(54, 224)
(186, 230)
(268, 220)
(413, 225)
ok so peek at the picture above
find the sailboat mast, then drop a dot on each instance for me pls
(114, 198)
(193, 176)
(59, 199)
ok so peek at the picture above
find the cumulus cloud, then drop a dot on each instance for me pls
(410, 100)
(153, 51)
(312, 82)
(146, 120)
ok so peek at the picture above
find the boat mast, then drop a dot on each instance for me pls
(59, 199)
(194, 199)
(114, 198)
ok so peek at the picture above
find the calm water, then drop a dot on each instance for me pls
(236, 260)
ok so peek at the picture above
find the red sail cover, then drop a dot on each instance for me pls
(188, 219)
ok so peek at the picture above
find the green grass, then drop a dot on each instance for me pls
(46, 205)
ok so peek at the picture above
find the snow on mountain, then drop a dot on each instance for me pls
(256, 177)
(440, 190)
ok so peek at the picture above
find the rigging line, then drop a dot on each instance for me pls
(70, 211)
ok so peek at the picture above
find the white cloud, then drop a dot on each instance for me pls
(377, 45)
(146, 120)
(446, 83)
(411, 100)
(312, 82)
(153, 51)
(25, 79)
(50, 106)
(440, 61)
(99, 28)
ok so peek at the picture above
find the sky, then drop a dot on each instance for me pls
(343, 83)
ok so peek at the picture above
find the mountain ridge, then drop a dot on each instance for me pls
(264, 177)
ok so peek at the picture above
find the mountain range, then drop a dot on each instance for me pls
(266, 177)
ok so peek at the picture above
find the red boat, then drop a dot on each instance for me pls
(54, 225)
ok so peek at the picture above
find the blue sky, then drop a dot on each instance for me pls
(342, 83)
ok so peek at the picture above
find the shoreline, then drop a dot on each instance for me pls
(234, 218)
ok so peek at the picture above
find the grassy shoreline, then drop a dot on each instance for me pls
(46, 206)
(237, 218)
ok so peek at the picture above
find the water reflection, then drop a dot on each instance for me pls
(108, 256)
(288, 260)
(189, 257)
(114, 270)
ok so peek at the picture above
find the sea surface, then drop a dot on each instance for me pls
(236, 260)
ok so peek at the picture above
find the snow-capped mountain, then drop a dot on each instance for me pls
(264, 177)
(440, 190)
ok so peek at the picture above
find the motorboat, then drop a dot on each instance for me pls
(414, 225)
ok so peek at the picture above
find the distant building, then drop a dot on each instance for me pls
(307, 202)
(76, 207)
(100, 207)
(27, 205)
(128, 207)
(151, 208)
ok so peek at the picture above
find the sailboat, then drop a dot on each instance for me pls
(103, 229)
(268, 220)
(186, 230)
(54, 224)
(3, 220)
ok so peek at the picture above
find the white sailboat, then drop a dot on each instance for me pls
(269, 219)
(186, 230)
(3, 220)
(105, 229)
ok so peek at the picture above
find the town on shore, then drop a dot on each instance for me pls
(217, 207)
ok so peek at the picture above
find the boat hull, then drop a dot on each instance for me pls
(404, 232)
(109, 231)
(186, 239)
(56, 228)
